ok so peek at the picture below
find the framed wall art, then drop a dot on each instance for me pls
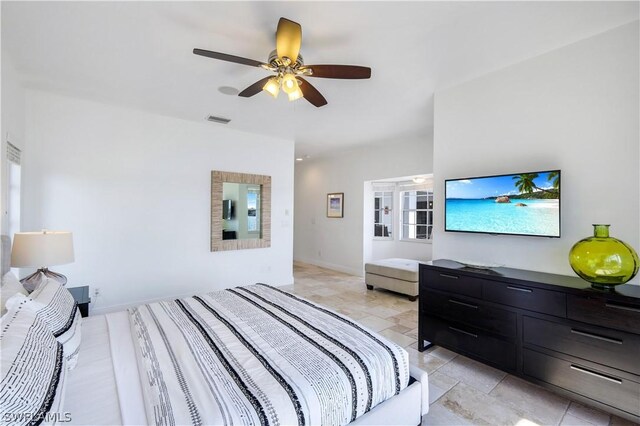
(335, 205)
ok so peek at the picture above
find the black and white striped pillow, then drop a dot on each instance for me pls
(56, 307)
(33, 370)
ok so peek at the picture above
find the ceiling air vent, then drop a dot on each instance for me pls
(221, 120)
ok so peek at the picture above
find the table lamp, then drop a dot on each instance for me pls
(41, 250)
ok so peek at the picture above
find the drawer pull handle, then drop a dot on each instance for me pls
(463, 332)
(594, 374)
(524, 290)
(624, 308)
(595, 336)
(454, 277)
(466, 305)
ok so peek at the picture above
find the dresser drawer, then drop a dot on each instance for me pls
(585, 380)
(603, 346)
(469, 340)
(452, 282)
(522, 296)
(470, 311)
(600, 311)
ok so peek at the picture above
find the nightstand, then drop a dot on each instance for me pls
(81, 296)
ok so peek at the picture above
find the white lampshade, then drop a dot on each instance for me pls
(41, 249)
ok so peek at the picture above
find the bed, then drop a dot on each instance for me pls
(249, 355)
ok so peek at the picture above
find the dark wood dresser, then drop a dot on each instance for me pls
(553, 330)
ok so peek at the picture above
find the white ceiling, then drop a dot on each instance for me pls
(138, 54)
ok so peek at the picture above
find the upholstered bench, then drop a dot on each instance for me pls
(399, 275)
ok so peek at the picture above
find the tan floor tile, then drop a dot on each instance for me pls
(354, 315)
(409, 324)
(480, 408)
(408, 316)
(403, 306)
(542, 406)
(413, 333)
(473, 373)
(619, 421)
(401, 329)
(570, 420)
(398, 338)
(589, 414)
(375, 323)
(439, 384)
(326, 292)
(442, 353)
(424, 361)
(384, 312)
(438, 415)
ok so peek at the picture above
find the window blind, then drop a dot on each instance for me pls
(412, 186)
(383, 186)
(13, 153)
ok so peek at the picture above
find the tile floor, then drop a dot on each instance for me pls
(461, 391)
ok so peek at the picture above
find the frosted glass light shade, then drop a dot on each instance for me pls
(41, 249)
(296, 94)
(272, 87)
(289, 84)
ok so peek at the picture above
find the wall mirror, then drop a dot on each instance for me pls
(240, 211)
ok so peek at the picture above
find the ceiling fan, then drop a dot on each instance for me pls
(289, 68)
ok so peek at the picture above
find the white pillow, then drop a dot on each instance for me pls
(10, 286)
(33, 370)
(57, 308)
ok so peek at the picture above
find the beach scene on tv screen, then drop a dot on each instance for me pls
(527, 204)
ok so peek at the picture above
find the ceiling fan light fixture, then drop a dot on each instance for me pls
(289, 68)
(272, 87)
(289, 84)
(295, 95)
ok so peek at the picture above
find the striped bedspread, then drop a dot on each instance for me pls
(259, 355)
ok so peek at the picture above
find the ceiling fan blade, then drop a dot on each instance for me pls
(288, 39)
(255, 88)
(339, 71)
(311, 93)
(228, 58)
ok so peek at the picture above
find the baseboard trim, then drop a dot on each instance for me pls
(332, 266)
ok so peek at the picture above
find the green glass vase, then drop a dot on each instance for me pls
(602, 260)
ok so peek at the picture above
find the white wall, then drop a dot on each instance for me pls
(338, 243)
(384, 249)
(576, 109)
(135, 190)
(12, 128)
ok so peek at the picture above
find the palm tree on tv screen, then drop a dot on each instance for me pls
(554, 178)
(524, 182)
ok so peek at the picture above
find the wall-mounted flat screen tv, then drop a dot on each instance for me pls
(227, 209)
(515, 204)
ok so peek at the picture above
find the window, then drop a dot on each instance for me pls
(253, 203)
(383, 217)
(416, 220)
